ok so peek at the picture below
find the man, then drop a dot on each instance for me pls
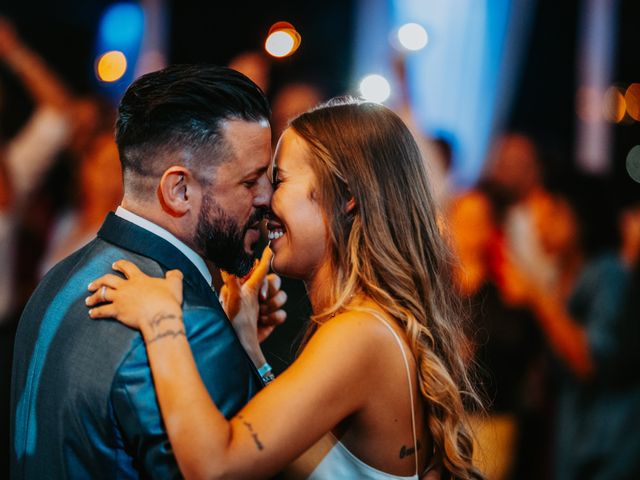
(194, 143)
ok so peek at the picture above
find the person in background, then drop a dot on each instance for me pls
(514, 174)
(594, 338)
(505, 340)
(290, 101)
(99, 192)
(25, 159)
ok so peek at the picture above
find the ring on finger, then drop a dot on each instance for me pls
(103, 294)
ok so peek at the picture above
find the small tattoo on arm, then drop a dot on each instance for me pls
(161, 317)
(168, 333)
(406, 451)
(254, 435)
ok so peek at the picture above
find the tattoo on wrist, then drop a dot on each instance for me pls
(406, 451)
(254, 435)
(161, 317)
(168, 333)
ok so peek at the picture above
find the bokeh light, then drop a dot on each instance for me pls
(614, 104)
(283, 40)
(632, 100)
(111, 66)
(589, 104)
(413, 36)
(375, 88)
(633, 163)
(122, 24)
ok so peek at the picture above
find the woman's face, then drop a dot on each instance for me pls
(297, 227)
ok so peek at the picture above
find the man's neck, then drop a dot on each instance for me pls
(146, 219)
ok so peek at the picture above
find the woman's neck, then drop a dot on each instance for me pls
(318, 288)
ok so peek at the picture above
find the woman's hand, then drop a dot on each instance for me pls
(138, 300)
(254, 305)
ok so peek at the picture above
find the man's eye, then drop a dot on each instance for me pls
(249, 183)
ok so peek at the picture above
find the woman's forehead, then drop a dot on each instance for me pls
(291, 152)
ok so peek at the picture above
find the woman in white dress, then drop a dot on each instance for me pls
(376, 390)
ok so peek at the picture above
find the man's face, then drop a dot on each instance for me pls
(238, 198)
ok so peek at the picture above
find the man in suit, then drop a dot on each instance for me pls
(194, 143)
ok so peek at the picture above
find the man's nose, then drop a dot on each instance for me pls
(265, 191)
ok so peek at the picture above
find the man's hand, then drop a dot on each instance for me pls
(254, 304)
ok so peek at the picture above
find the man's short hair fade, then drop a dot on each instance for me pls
(175, 115)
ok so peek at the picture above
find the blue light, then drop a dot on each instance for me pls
(461, 84)
(122, 26)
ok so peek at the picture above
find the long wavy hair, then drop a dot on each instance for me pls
(389, 248)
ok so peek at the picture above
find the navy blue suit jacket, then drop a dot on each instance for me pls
(83, 403)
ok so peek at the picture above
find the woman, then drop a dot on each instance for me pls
(382, 368)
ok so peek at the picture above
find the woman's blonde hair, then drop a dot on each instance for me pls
(389, 248)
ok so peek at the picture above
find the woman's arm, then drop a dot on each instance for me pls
(280, 423)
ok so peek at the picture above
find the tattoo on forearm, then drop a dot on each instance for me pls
(254, 435)
(161, 317)
(168, 333)
(406, 451)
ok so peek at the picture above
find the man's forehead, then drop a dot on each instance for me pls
(237, 127)
(249, 143)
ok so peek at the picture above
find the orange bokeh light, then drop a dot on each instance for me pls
(632, 99)
(614, 105)
(111, 66)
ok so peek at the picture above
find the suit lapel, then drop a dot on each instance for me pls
(129, 236)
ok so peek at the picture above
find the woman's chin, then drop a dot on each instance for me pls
(284, 269)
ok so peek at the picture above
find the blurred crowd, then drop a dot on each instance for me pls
(550, 277)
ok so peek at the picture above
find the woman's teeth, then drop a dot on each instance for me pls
(275, 234)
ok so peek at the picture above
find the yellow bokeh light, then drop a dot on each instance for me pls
(283, 40)
(111, 66)
(613, 106)
(632, 99)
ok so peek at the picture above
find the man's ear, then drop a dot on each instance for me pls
(177, 190)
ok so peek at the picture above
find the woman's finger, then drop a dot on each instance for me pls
(174, 277)
(275, 282)
(260, 271)
(103, 311)
(127, 268)
(101, 295)
(274, 318)
(109, 280)
(276, 302)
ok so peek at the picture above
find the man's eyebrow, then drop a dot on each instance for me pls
(257, 171)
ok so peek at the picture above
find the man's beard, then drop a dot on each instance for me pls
(221, 239)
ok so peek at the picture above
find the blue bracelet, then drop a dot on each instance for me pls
(264, 369)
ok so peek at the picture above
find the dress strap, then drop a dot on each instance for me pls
(408, 371)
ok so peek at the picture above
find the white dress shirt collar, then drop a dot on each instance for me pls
(196, 259)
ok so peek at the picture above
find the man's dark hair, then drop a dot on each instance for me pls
(175, 115)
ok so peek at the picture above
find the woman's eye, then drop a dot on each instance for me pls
(275, 181)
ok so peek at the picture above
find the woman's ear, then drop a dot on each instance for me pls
(177, 190)
(351, 204)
